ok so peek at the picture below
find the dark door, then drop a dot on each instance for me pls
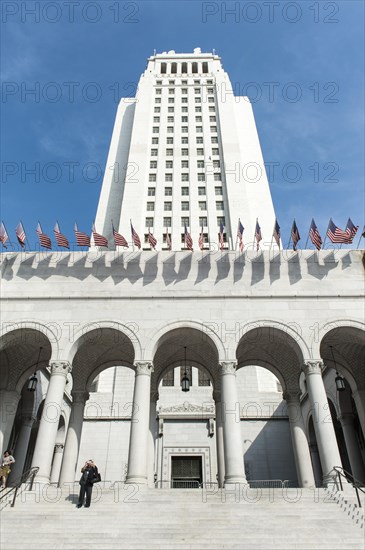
(186, 472)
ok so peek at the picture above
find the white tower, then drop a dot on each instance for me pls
(185, 150)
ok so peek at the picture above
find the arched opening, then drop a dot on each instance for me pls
(173, 68)
(163, 68)
(184, 68)
(194, 68)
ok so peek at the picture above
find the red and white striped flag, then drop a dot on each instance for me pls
(82, 239)
(335, 234)
(201, 240)
(20, 234)
(135, 238)
(240, 231)
(168, 239)
(99, 240)
(3, 235)
(152, 240)
(351, 229)
(188, 240)
(276, 233)
(119, 240)
(44, 240)
(295, 235)
(314, 235)
(61, 239)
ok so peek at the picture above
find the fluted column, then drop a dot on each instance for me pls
(302, 457)
(323, 426)
(352, 446)
(232, 436)
(73, 437)
(47, 433)
(21, 448)
(9, 400)
(138, 442)
(56, 464)
(219, 437)
(359, 398)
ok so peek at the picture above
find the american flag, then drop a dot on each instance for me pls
(43, 238)
(136, 240)
(61, 239)
(276, 233)
(315, 236)
(99, 240)
(221, 236)
(351, 229)
(188, 239)
(82, 239)
(152, 240)
(240, 231)
(119, 240)
(201, 240)
(3, 235)
(295, 235)
(335, 234)
(168, 240)
(258, 235)
(20, 234)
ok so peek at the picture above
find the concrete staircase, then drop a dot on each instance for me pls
(126, 517)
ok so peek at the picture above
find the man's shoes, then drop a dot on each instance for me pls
(78, 505)
(87, 505)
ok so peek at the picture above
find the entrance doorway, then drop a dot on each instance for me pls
(186, 472)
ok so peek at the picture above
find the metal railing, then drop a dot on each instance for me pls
(357, 485)
(185, 484)
(272, 483)
(17, 483)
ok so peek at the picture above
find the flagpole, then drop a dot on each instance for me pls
(362, 235)
(9, 241)
(26, 238)
(306, 242)
(325, 237)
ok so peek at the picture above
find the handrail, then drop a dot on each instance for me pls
(355, 482)
(28, 474)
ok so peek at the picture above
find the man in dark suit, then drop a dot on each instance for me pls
(89, 474)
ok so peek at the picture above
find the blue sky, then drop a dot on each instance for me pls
(301, 63)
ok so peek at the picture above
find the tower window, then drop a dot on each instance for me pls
(169, 164)
(155, 130)
(151, 191)
(184, 177)
(185, 190)
(184, 140)
(203, 221)
(201, 177)
(185, 205)
(184, 164)
(153, 164)
(153, 152)
(200, 163)
(150, 206)
(168, 177)
(202, 205)
(149, 222)
(169, 152)
(168, 191)
(218, 177)
(219, 205)
(167, 206)
(152, 177)
(218, 190)
(185, 221)
(167, 222)
(184, 152)
(201, 191)
(221, 220)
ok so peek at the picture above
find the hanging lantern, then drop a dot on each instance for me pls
(339, 380)
(33, 381)
(185, 382)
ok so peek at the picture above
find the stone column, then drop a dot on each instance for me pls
(194, 377)
(322, 421)
(73, 437)
(177, 376)
(219, 437)
(21, 448)
(302, 457)
(352, 446)
(152, 437)
(359, 398)
(9, 400)
(47, 433)
(56, 464)
(232, 436)
(138, 442)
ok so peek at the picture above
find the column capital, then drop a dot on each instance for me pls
(313, 366)
(143, 367)
(79, 396)
(58, 448)
(292, 396)
(228, 367)
(60, 367)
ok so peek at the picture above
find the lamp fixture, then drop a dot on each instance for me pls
(339, 380)
(32, 382)
(185, 382)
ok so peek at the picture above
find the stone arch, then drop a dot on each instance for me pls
(169, 352)
(24, 350)
(276, 347)
(99, 346)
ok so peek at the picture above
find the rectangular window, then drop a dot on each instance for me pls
(171, 100)
(157, 109)
(199, 140)
(209, 81)
(184, 100)
(169, 152)
(164, 240)
(185, 205)
(150, 206)
(218, 190)
(170, 119)
(196, 81)
(216, 164)
(185, 221)
(168, 177)
(154, 141)
(168, 191)
(215, 151)
(169, 140)
(210, 90)
(210, 99)
(151, 191)
(156, 119)
(199, 129)
(212, 109)
(172, 82)
(184, 82)
(155, 130)
(201, 191)
(149, 222)
(198, 119)
(159, 82)
(184, 129)
(197, 90)
(184, 119)
(170, 129)
(169, 164)
(184, 109)
(214, 139)
(171, 91)
(200, 163)
(184, 164)
(218, 177)
(167, 206)
(212, 119)
(170, 109)
(185, 191)
(213, 128)
(152, 177)
(167, 222)
(221, 220)
(202, 205)
(153, 152)
(219, 205)
(157, 100)
(200, 151)
(198, 100)
(184, 152)
(158, 91)
(184, 90)
(201, 176)
(184, 140)
(198, 109)
(203, 221)
(184, 177)
(153, 163)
